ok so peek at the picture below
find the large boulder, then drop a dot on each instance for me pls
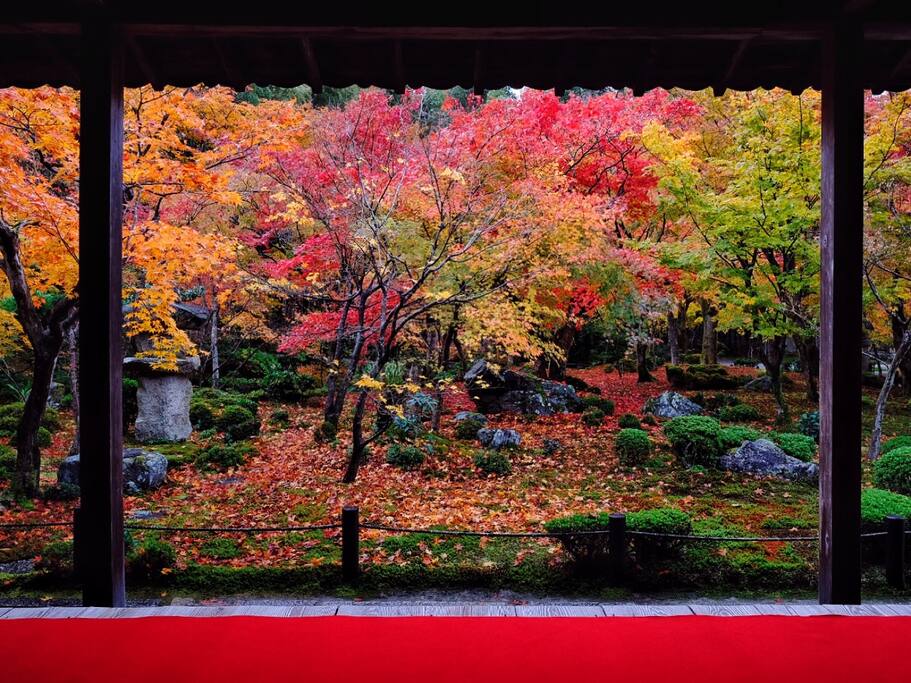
(164, 409)
(506, 391)
(670, 404)
(142, 470)
(765, 458)
(499, 438)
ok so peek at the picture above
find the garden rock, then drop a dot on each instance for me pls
(670, 404)
(763, 383)
(142, 470)
(551, 446)
(764, 457)
(499, 438)
(507, 391)
(463, 415)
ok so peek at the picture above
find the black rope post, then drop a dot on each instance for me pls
(77, 543)
(350, 543)
(616, 527)
(895, 552)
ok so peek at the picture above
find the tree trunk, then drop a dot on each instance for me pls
(673, 338)
(642, 363)
(28, 454)
(900, 354)
(73, 340)
(772, 356)
(709, 338)
(808, 350)
(357, 439)
(213, 347)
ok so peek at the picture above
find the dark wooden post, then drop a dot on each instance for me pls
(100, 356)
(351, 527)
(895, 552)
(616, 527)
(841, 240)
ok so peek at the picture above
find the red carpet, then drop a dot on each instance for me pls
(457, 649)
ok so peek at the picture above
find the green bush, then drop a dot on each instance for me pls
(650, 420)
(893, 471)
(56, 558)
(151, 557)
(11, 413)
(237, 423)
(492, 462)
(221, 549)
(593, 417)
(224, 456)
(700, 377)
(799, 446)
(733, 436)
(629, 421)
(718, 401)
(741, 412)
(632, 446)
(404, 456)
(280, 417)
(468, 428)
(61, 491)
(7, 462)
(605, 405)
(808, 424)
(588, 551)
(201, 414)
(695, 439)
(657, 521)
(877, 504)
(895, 442)
(130, 401)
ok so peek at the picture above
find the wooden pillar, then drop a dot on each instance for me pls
(100, 356)
(841, 243)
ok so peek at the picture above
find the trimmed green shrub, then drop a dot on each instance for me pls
(587, 551)
(695, 439)
(808, 424)
(326, 432)
(237, 423)
(629, 421)
(593, 417)
(492, 462)
(221, 549)
(468, 428)
(893, 471)
(280, 417)
(632, 446)
(11, 413)
(7, 462)
(799, 446)
(700, 377)
(742, 412)
(877, 504)
(201, 414)
(224, 456)
(650, 420)
(404, 456)
(895, 442)
(61, 491)
(605, 405)
(718, 401)
(151, 557)
(734, 435)
(657, 521)
(56, 558)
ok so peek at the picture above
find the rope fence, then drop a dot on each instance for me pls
(616, 534)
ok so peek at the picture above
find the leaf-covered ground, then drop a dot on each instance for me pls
(294, 480)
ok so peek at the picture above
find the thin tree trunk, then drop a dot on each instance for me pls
(28, 453)
(213, 348)
(73, 339)
(642, 363)
(709, 339)
(808, 350)
(357, 439)
(900, 354)
(772, 356)
(673, 338)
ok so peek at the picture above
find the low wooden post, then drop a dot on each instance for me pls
(895, 552)
(351, 527)
(616, 526)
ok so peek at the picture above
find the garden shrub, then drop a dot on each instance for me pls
(280, 417)
(657, 521)
(808, 424)
(718, 401)
(404, 456)
(56, 558)
(692, 358)
(798, 446)
(893, 471)
(237, 423)
(468, 428)
(593, 417)
(201, 414)
(650, 420)
(629, 421)
(733, 436)
(61, 491)
(130, 400)
(221, 549)
(877, 504)
(150, 558)
(224, 456)
(895, 442)
(492, 462)
(695, 439)
(632, 446)
(700, 377)
(590, 551)
(326, 432)
(605, 405)
(742, 412)
(11, 413)
(7, 462)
